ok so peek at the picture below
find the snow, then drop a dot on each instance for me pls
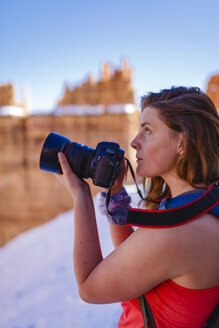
(37, 284)
(12, 111)
(41, 111)
(76, 110)
(79, 110)
(121, 108)
(94, 110)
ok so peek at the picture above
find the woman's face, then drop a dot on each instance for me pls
(157, 146)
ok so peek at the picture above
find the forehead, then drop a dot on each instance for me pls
(149, 115)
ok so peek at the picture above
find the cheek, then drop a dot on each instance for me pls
(165, 160)
(158, 160)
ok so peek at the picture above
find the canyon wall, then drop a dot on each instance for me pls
(29, 196)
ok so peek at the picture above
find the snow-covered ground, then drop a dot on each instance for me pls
(37, 284)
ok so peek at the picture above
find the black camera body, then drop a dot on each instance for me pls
(106, 163)
(102, 164)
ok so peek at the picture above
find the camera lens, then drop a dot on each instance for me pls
(79, 158)
(53, 144)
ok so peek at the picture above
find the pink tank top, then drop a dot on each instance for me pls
(173, 306)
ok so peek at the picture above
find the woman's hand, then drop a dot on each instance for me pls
(118, 184)
(69, 179)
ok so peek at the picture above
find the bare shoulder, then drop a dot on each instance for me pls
(195, 237)
(188, 254)
(150, 256)
(199, 253)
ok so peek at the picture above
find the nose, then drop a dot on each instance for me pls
(135, 143)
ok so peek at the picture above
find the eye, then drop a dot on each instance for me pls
(147, 131)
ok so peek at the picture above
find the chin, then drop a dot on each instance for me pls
(141, 172)
(144, 174)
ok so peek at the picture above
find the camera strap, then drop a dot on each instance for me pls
(138, 190)
(170, 217)
(164, 218)
(129, 166)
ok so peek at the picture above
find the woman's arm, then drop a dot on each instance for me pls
(87, 252)
(142, 261)
(119, 233)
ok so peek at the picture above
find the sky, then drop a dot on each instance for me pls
(47, 43)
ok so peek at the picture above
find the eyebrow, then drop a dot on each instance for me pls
(145, 123)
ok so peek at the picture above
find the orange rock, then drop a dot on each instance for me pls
(29, 196)
(112, 88)
(213, 90)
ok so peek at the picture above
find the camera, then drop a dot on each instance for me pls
(102, 164)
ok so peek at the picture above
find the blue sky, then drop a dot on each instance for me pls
(45, 43)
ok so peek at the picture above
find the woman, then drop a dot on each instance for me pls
(177, 150)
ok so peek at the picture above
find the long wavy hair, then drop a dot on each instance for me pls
(190, 111)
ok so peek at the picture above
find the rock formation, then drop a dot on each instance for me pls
(213, 90)
(7, 98)
(114, 87)
(30, 197)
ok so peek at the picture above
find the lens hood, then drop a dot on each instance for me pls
(53, 144)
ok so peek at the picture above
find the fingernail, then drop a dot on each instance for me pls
(60, 155)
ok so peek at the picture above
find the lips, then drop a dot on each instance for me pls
(138, 159)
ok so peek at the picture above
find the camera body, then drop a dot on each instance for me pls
(105, 165)
(102, 164)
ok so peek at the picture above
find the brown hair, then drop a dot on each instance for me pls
(190, 111)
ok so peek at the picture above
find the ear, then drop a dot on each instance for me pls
(180, 147)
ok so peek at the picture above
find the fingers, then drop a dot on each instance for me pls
(68, 178)
(66, 169)
(64, 164)
(123, 162)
